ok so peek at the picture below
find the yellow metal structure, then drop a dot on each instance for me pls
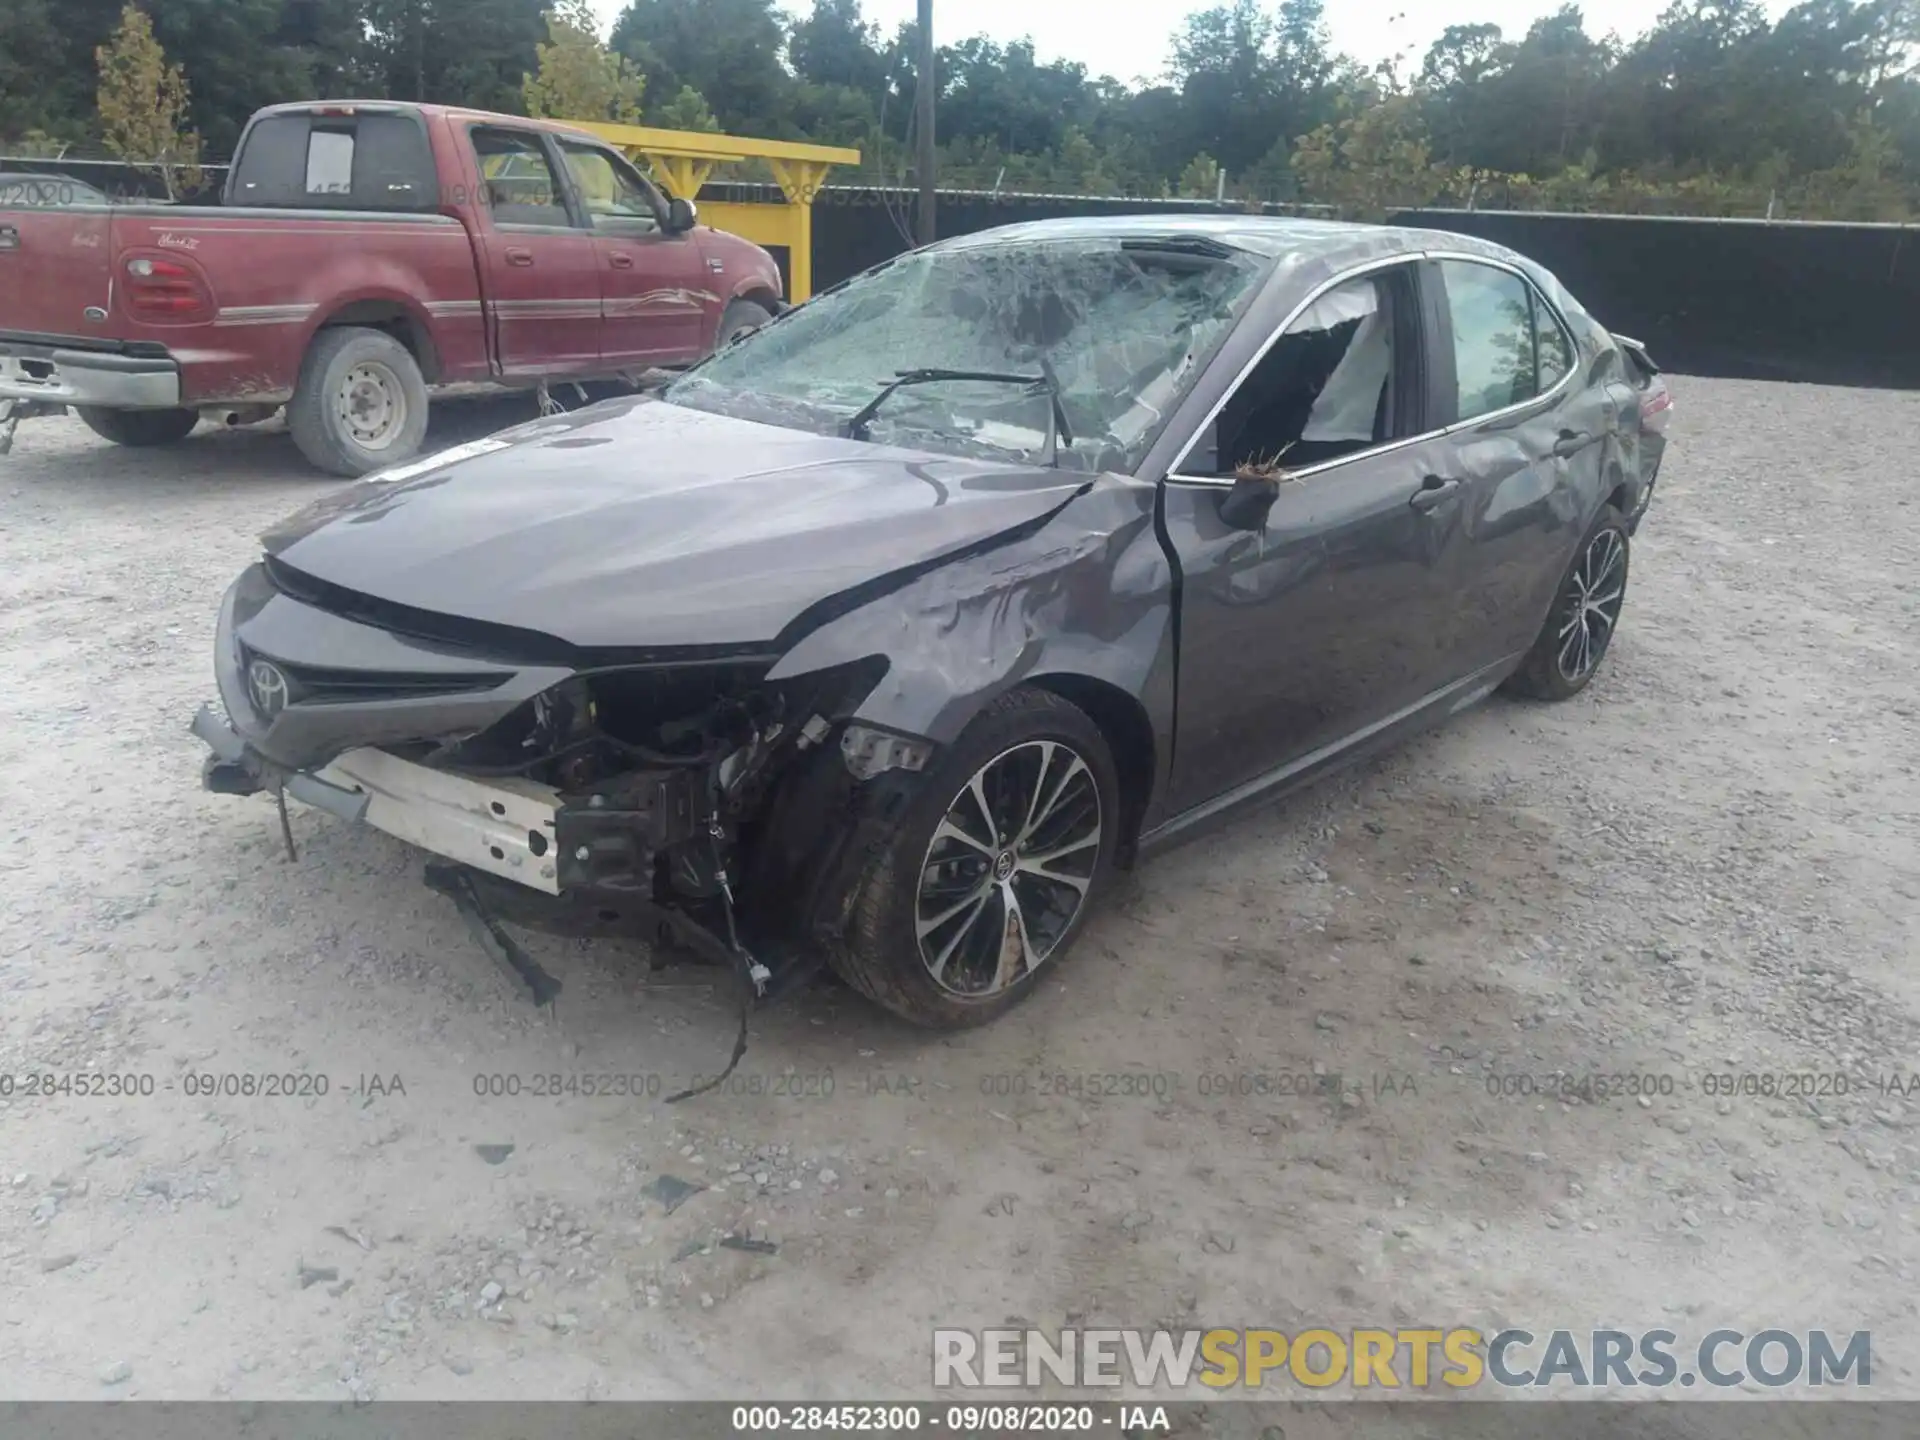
(683, 159)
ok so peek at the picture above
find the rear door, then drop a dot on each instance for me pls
(658, 304)
(55, 269)
(539, 265)
(1527, 444)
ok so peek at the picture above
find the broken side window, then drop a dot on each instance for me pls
(1325, 390)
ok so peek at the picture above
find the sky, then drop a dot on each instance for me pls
(1132, 42)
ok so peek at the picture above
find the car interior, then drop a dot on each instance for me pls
(1325, 389)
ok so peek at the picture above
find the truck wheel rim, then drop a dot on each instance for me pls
(1007, 871)
(371, 405)
(1590, 608)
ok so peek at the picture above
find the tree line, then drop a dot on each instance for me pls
(1712, 110)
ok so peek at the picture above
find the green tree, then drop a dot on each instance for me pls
(578, 77)
(728, 50)
(143, 105)
(1201, 178)
(461, 52)
(1372, 161)
(686, 111)
(836, 45)
(31, 89)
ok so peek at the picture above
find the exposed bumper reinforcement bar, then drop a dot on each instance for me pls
(233, 769)
(450, 815)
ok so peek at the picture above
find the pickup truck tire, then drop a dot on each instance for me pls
(741, 317)
(360, 403)
(138, 427)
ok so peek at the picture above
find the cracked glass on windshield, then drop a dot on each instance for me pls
(1122, 325)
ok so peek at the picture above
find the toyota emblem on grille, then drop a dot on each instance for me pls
(268, 687)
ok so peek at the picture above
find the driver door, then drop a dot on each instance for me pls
(1326, 621)
(658, 297)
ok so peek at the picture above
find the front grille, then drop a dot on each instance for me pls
(320, 685)
(312, 685)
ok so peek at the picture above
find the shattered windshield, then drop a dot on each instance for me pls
(1120, 325)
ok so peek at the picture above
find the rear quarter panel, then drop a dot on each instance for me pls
(277, 276)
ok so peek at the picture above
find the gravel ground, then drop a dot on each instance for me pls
(1706, 863)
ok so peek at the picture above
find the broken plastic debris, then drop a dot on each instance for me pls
(671, 1191)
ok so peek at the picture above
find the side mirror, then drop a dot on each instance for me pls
(681, 216)
(1245, 506)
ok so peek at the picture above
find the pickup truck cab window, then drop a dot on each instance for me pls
(330, 162)
(613, 193)
(517, 180)
(352, 160)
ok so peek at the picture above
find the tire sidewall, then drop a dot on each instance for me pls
(1542, 668)
(316, 426)
(742, 317)
(898, 876)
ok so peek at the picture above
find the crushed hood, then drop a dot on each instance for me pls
(637, 523)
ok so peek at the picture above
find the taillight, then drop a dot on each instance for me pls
(164, 289)
(1655, 406)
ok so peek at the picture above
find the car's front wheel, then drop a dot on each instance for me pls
(1586, 610)
(993, 869)
(743, 317)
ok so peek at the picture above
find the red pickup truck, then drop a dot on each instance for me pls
(363, 252)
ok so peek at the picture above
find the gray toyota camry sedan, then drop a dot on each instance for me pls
(881, 639)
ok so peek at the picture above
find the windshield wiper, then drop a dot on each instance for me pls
(861, 422)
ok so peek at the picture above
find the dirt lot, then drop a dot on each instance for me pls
(1709, 863)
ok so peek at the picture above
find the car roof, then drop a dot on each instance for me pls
(1269, 235)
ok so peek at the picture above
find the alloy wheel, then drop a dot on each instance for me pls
(1008, 869)
(371, 405)
(1590, 607)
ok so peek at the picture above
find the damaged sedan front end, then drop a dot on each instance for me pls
(676, 667)
(720, 797)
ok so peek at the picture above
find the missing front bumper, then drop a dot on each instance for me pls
(504, 827)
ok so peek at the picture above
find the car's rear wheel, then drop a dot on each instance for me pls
(360, 404)
(1586, 611)
(138, 427)
(993, 869)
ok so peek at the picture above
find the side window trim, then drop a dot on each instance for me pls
(1543, 306)
(570, 196)
(656, 202)
(1368, 267)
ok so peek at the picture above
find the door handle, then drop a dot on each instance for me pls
(1432, 491)
(518, 256)
(620, 260)
(1571, 441)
